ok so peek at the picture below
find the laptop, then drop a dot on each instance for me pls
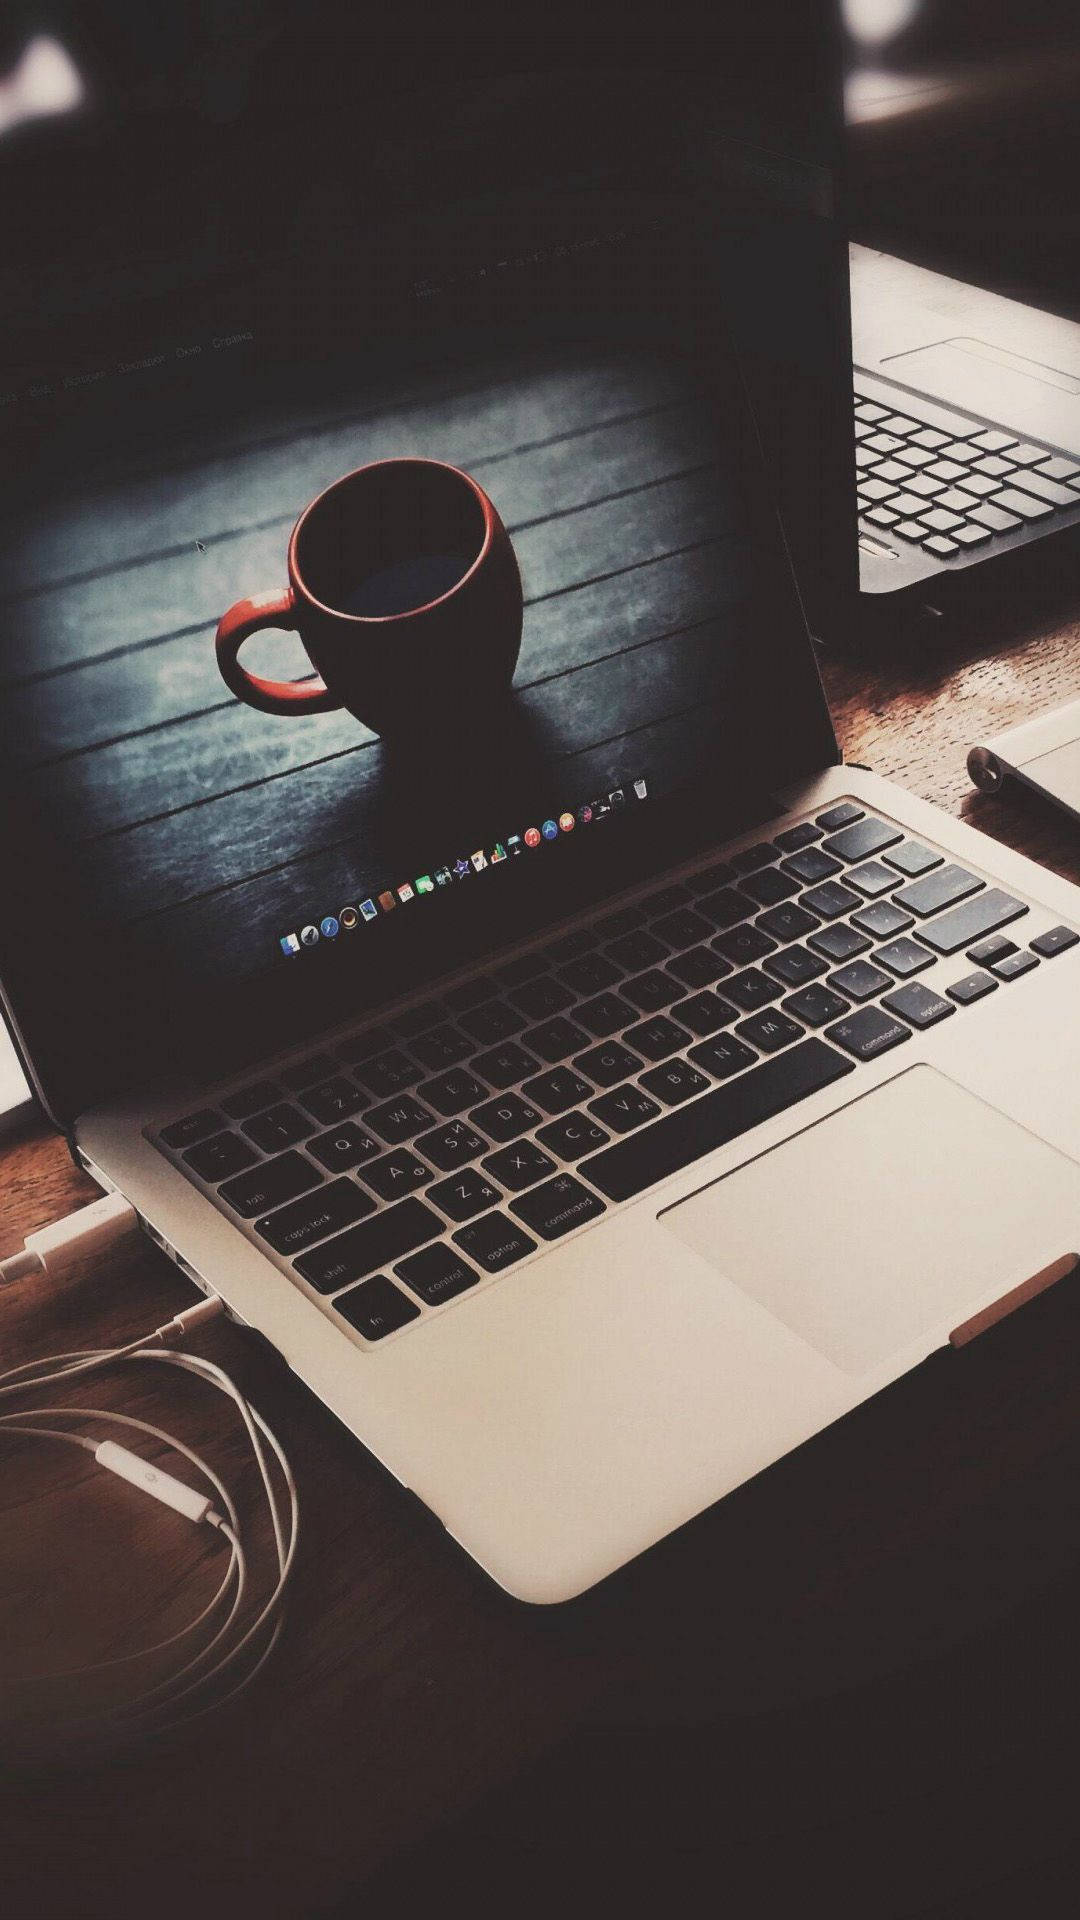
(967, 427)
(591, 1092)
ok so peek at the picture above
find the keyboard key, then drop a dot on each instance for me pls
(609, 1063)
(377, 1308)
(718, 875)
(304, 1073)
(980, 485)
(625, 1107)
(795, 966)
(770, 886)
(557, 1090)
(930, 437)
(912, 458)
(471, 993)
(495, 1242)
(591, 974)
(871, 878)
(830, 900)
(946, 470)
(751, 990)
(542, 998)
(963, 451)
(335, 1099)
(557, 1039)
(388, 1074)
(414, 1020)
(882, 918)
(972, 987)
(280, 1126)
(912, 858)
(838, 943)
(994, 466)
(899, 423)
(184, 1133)
(882, 442)
(667, 899)
(398, 1120)
(651, 991)
(995, 948)
(925, 485)
(436, 1274)
(396, 1173)
(504, 1066)
(749, 859)
(505, 1119)
(868, 1032)
(698, 967)
(992, 440)
(723, 1056)
(869, 409)
(727, 908)
(1056, 941)
(1012, 965)
(994, 517)
(571, 946)
(940, 544)
(605, 1015)
(1012, 500)
(636, 951)
(745, 944)
(300, 1224)
(987, 911)
(223, 1154)
(970, 536)
(387, 1236)
(912, 530)
(812, 864)
(365, 1046)
(815, 1005)
(270, 1185)
(344, 1147)
(496, 1021)
(572, 1136)
(839, 816)
(248, 1100)
(528, 965)
(789, 922)
(1055, 468)
(614, 925)
(859, 980)
(916, 1003)
(558, 1207)
(908, 503)
(450, 1146)
(674, 1082)
(957, 501)
(769, 1031)
(682, 929)
(519, 1166)
(464, 1194)
(904, 957)
(1038, 482)
(794, 838)
(655, 1039)
(704, 1013)
(450, 1092)
(723, 1114)
(939, 889)
(940, 520)
(443, 1047)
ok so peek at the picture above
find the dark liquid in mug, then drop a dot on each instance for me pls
(405, 584)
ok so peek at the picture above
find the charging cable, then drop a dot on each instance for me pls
(222, 1649)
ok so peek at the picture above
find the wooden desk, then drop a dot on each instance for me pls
(859, 1671)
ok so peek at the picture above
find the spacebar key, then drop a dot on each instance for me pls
(685, 1135)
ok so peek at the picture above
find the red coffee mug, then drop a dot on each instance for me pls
(404, 588)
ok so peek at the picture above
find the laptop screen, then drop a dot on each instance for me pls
(388, 562)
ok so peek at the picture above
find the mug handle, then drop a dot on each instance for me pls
(269, 696)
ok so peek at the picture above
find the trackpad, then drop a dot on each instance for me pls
(902, 1213)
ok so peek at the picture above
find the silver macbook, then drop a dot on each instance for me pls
(434, 895)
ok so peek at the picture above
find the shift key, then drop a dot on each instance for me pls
(387, 1236)
(969, 921)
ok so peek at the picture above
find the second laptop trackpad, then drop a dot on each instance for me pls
(904, 1212)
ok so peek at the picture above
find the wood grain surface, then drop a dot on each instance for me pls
(410, 1701)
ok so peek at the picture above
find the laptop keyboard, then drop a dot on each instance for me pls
(942, 481)
(394, 1169)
